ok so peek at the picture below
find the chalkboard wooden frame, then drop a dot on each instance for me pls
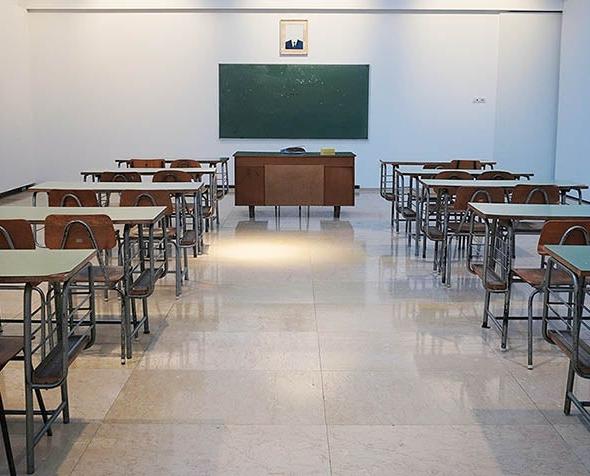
(293, 101)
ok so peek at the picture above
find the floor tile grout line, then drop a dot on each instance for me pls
(315, 316)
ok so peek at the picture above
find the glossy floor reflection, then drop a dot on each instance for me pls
(313, 346)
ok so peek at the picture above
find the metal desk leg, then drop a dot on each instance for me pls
(418, 229)
(29, 409)
(127, 267)
(177, 254)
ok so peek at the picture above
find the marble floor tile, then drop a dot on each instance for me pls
(451, 450)
(159, 449)
(220, 397)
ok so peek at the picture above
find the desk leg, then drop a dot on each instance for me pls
(126, 324)
(28, 361)
(251, 213)
(337, 212)
(177, 257)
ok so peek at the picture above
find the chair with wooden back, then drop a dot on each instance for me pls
(469, 164)
(460, 222)
(72, 198)
(554, 232)
(533, 194)
(437, 165)
(95, 232)
(119, 177)
(187, 164)
(147, 163)
(496, 175)
(170, 175)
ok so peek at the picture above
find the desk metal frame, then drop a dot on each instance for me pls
(66, 336)
(496, 268)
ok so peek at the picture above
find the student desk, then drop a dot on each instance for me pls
(573, 329)
(210, 172)
(309, 179)
(178, 189)
(496, 268)
(222, 176)
(139, 278)
(427, 186)
(387, 188)
(56, 267)
(404, 196)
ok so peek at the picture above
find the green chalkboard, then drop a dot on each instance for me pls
(286, 101)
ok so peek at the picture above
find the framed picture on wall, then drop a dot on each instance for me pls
(293, 37)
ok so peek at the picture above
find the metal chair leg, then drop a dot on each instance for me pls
(6, 439)
(569, 388)
(505, 317)
(146, 323)
(43, 410)
(486, 310)
(530, 329)
(65, 399)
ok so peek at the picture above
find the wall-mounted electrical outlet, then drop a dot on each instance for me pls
(480, 100)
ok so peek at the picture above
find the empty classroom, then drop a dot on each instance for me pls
(307, 237)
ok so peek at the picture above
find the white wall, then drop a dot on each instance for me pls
(528, 82)
(15, 107)
(145, 84)
(573, 137)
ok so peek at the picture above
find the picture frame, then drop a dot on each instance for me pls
(293, 38)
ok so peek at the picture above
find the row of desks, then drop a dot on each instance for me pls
(57, 268)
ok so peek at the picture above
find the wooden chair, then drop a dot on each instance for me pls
(458, 223)
(72, 198)
(187, 164)
(533, 194)
(556, 232)
(93, 232)
(119, 177)
(437, 165)
(453, 175)
(539, 194)
(470, 164)
(187, 239)
(170, 175)
(496, 175)
(147, 163)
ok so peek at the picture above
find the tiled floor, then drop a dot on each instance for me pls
(313, 346)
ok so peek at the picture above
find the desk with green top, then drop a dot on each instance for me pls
(56, 267)
(275, 179)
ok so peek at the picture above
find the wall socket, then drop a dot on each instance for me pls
(480, 100)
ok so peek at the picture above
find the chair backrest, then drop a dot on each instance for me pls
(453, 175)
(147, 163)
(119, 177)
(539, 194)
(185, 164)
(72, 198)
(437, 165)
(16, 235)
(496, 175)
(80, 232)
(464, 195)
(142, 198)
(172, 176)
(471, 164)
(564, 232)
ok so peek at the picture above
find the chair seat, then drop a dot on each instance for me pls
(494, 282)
(158, 232)
(536, 276)
(50, 370)
(458, 227)
(10, 347)
(113, 274)
(433, 233)
(529, 227)
(564, 340)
